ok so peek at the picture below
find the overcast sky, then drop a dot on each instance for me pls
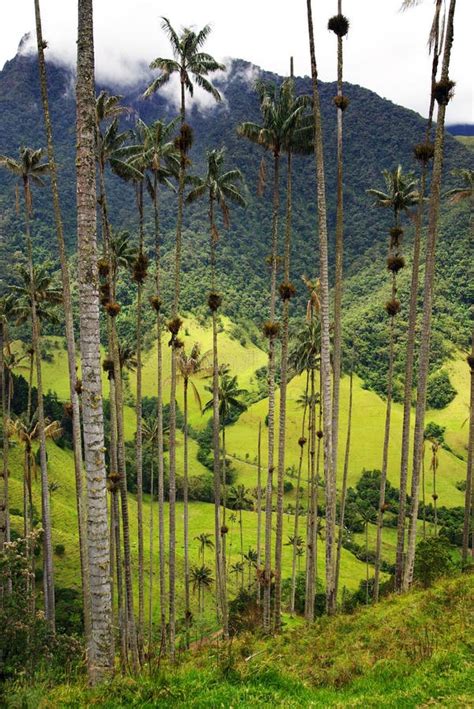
(386, 50)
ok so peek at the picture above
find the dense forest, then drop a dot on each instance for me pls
(236, 382)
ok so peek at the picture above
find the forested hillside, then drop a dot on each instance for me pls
(378, 135)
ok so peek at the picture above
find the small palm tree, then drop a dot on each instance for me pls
(201, 580)
(251, 559)
(464, 191)
(205, 542)
(239, 499)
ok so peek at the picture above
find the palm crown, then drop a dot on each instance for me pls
(188, 61)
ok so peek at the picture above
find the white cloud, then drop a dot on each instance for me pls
(385, 50)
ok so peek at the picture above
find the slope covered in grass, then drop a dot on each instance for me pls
(408, 651)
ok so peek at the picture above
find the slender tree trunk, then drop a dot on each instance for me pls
(4, 511)
(139, 438)
(311, 558)
(159, 413)
(329, 472)
(283, 388)
(150, 588)
(100, 655)
(344, 485)
(221, 580)
(337, 341)
(187, 601)
(470, 450)
(69, 326)
(259, 506)
(424, 356)
(271, 403)
(408, 384)
(302, 443)
(383, 476)
(48, 572)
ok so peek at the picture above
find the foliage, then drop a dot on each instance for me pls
(433, 560)
(300, 594)
(440, 392)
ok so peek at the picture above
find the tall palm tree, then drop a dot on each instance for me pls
(30, 169)
(423, 153)
(220, 188)
(281, 115)
(338, 24)
(68, 321)
(117, 253)
(442, 93)
(100, 655)
(5, 389)
(401, 193)
(329, 471)
(161, 159)
(189, 367)
(190, 63)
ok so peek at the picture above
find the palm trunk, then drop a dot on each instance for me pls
(4, 513)
(150, 587)
(383, 476)
(221, 581)
(271, 404)
(337, 341)
(424, 356)
(48, 572)
(329, 471)
(69, 328)
(311, 559)
(100, 655)
(259, 506)
(344, 487)
(282, 420)
(139, 440)
(187, 602)
(470, 450)
(302, 442)
(159, 413)
(117, 410)
(408, 384)
(172, 434)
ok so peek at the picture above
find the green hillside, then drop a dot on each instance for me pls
(408, 651)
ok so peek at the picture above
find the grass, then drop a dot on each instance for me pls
(408, 651)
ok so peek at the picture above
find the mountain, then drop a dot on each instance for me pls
(378, 135)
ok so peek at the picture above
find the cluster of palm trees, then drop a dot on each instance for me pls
(150, 158)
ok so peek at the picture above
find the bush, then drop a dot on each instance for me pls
(59, 549)
(432, 560)
(300, 594)
(244, 613)
(434, 432)
(440, 392)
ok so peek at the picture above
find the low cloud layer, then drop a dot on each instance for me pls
(385, 50)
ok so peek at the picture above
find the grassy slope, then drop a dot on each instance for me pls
(408, 651)
(369, 411)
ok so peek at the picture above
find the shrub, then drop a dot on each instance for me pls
(59, 549)
(432, 560)
(434, 432)
(440, 392)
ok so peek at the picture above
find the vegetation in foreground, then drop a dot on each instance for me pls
(406, 651)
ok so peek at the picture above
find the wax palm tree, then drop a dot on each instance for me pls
(338, 24)
(329, 471)
(401, 194)
(464, 191)
(189, 367)
(220, 188)
(238, 569)
(6, 302)
(205, 542)
(68, 321)
(201, 580)
(100, 655)
(190, 63)
(442, 93)
(31, 169)
(281, 118)
(367, 516)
